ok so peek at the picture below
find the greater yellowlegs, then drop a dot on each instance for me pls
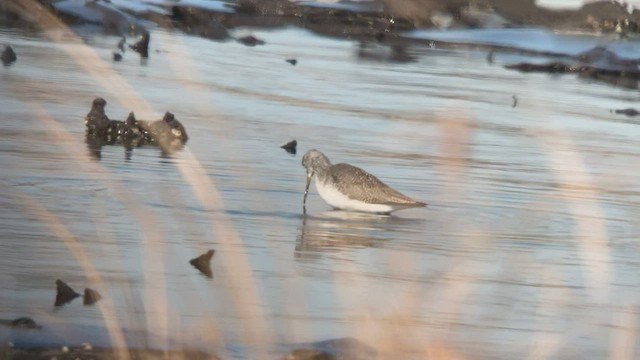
(347, 187)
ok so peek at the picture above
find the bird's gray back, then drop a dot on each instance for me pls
(358, 184)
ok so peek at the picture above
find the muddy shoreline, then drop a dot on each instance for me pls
(345, 20)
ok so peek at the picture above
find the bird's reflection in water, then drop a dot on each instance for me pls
(334, 230)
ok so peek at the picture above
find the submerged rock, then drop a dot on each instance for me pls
(250, 40)
(8, 56)
(290, 147)
(203, 263)
(629, 112)
(64, 293)
(142, 45)
(21, 322)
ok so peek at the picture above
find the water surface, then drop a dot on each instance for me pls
(528, 245)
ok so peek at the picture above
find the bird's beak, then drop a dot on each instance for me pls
(306, 188)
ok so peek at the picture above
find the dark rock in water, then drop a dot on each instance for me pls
(598, 63)
(629, 112)
(25, 322)
(343, 348)
(91, 296)
(142, 45)
(117, 57)
(203, 263)
(8, 56)
(292, 61)
(64, 293)
(250, 40)
(96, 121)
(309, 354)
(515, 101)
(290, 147)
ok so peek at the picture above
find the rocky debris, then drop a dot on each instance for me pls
(629, 112)
(168, 133)
(290, 147)
(598, 63)
(250, 40)
(64, 293)
(203, 263)
(342, 348)
(292, 61)
(117, 57)
(142, 45)
(91, 296)
(8, 56)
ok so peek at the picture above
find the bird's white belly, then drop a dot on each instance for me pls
(338, 200)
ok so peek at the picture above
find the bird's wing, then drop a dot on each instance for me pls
(360, 185)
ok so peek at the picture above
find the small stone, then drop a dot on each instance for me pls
(10, 344)
(117, 57)
(91, 296)
(65, 349)
(203, 263)
(86, 346)
(290, 147)
(292, 61)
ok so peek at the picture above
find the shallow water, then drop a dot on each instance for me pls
(528, 246)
